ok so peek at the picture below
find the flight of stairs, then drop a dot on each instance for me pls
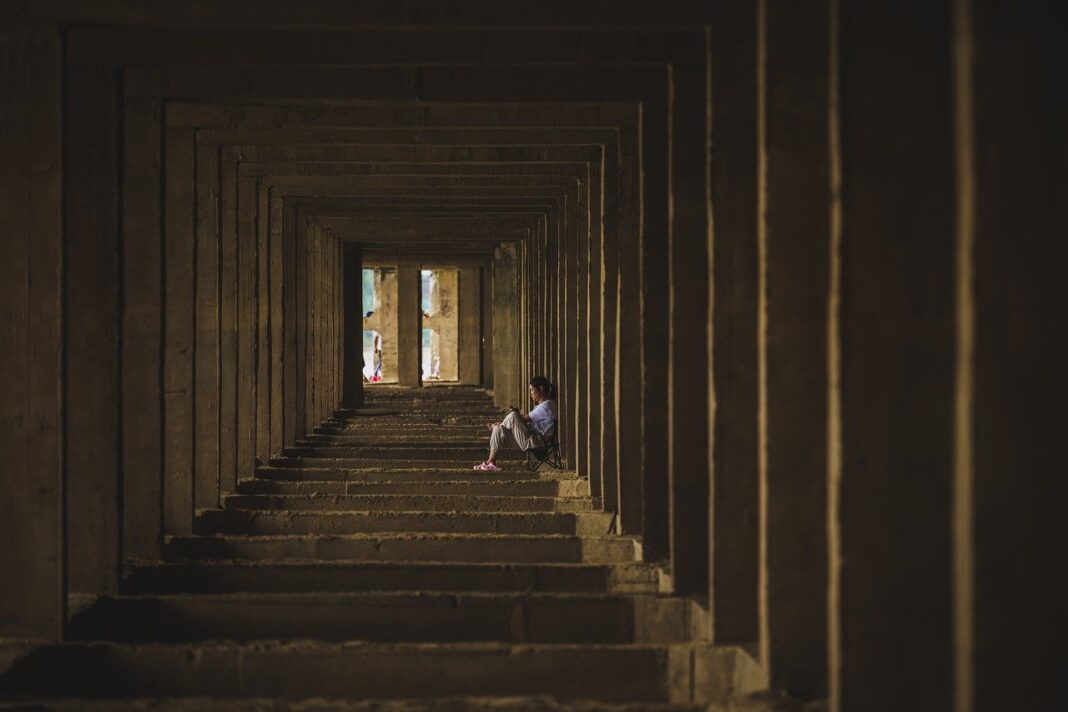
(371, 562)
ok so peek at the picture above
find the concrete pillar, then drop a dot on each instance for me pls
(735, 486)
(246, 331)
(486, 347)
(208, 342)
(232, 191)
(92, 376)
(409, 326)
(388, 323)
(179, 296)
(263, 330)
(352, 317)
(794, 241)
(689, 396)
(142, 320)
(1011, 351)
(506, 357)
(32, 598)
(469, 326)
(891, 600)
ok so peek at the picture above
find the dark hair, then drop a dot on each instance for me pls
(543, 384)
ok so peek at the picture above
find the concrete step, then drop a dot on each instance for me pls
(512, 488)
(295, 670)
(423, 451)
(309, 471)
(508, 462)
(326, 576)
(406, 547)
(400, 430)
(253, 522)
(392, 438)
(387, 617)
(408, 503)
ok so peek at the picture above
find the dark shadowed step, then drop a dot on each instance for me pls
(408, 503)
(303, 576)
(552, 548)
(511, 703)
(385, 617)
(259, 522)
(355, 670)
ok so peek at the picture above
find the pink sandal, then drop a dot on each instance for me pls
(486, 466)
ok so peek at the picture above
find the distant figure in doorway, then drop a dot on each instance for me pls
(377, 347)
(524, 431)
(376, 350)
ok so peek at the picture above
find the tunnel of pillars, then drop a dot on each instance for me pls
(749, 242)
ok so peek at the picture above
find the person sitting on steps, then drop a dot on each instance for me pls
(524, 431)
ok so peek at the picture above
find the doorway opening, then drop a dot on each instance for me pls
(380, 325)
(440, 335)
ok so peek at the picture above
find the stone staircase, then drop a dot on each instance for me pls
(371, 562)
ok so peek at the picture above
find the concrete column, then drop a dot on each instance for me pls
(246, 330)
(1012, 349)
(228, 324)
(794, 241)
(388, 323)
(689, 396)
(352, 316)
(179, 296)
(142, 319)
(409, 326)
(892, 599)
(32, 597)
(207, 357)
(263, 331)
(506, 356)
(735, 486)
(92, 346)
(486, 347)
(469, 327)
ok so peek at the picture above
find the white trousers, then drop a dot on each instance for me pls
(514, 432)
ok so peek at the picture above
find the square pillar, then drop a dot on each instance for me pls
(352, 368)
(409, 326)
(469, 331)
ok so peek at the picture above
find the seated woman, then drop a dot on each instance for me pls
(524, 431)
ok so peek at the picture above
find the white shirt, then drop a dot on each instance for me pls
(543, 417)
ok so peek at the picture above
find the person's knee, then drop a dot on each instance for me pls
(510, 418)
